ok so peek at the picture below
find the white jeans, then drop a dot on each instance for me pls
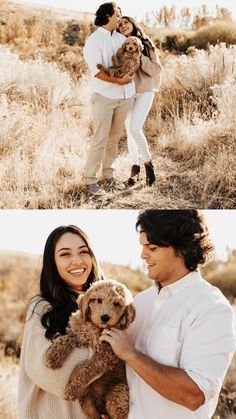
(137, 114)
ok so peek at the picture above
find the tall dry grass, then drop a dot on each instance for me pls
(46, 125)
(9, 370)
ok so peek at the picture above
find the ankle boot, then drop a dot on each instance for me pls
(150, 175)
(134, 175)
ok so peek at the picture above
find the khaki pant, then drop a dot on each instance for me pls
(108, 118)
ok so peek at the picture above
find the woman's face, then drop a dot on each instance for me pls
(73, 260)
(126, 28)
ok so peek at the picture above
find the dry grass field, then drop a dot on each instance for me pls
(46, 125)
(18, 282)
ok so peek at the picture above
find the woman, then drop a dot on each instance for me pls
(147, 81)
(69, 268)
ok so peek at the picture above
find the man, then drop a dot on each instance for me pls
(111, 98)
(181, 343)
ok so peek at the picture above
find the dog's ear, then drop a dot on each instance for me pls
(140, 46)
(119, 52)
(128, 317)
(83, 303)
(124, 47)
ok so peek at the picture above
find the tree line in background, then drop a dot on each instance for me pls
(186, 18)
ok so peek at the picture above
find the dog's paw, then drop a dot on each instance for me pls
(73, 393)
(69, 396)
(53, 361)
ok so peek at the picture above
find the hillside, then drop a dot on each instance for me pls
(30, 9)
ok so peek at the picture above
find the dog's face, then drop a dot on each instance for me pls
(132, 44)
(108, 303)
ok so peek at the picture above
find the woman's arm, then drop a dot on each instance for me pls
(34, 348)
(151, 66)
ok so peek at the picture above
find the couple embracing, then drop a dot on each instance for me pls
(116, 101)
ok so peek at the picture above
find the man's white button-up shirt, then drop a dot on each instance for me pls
(189, 325)
(98, 49)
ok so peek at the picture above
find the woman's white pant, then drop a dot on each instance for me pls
(136, 139)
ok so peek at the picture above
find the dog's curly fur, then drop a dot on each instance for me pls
(126, 57)
(100, 382)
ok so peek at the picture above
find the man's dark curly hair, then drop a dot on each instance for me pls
(104, 11)
(184, 230)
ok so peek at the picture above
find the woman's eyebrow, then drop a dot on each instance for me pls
(68, 248)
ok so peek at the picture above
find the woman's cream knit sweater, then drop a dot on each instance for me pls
(40, 392)
(148, 76)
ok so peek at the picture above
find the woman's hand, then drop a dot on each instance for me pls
(119, 341)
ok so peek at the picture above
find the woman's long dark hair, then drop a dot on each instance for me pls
(137, 31)
(184, 230)
(53, 289)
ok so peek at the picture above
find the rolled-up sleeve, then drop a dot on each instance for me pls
(208, 347)
(93, 54)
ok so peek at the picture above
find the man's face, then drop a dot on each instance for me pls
(163, 265)
(115, 19)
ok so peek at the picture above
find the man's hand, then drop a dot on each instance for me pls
(119, 341)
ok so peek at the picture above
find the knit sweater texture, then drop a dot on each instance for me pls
(40, 389)
(148, 76)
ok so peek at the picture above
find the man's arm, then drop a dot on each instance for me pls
(125, 79)
(172, 383)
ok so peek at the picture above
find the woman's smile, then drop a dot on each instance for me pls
(73, 260)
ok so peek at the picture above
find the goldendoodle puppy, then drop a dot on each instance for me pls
(100, 382)
(126, 57)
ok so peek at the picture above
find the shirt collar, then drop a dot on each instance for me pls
(181, 284)
(105, 32)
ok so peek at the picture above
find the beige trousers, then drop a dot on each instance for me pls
(108, 118)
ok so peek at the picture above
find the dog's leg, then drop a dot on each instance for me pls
(117, 402)
(89, 407)
(85, 374)
(103, 69)
(59, 351)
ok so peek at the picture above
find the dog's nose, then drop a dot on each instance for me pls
(105, 318)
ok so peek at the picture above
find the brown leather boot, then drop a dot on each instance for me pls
(150, 175)
(134, 175)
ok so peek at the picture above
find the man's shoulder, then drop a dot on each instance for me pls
(211, 291)
(94, 36)
(146, 295)
(209, 297)
(119, 36)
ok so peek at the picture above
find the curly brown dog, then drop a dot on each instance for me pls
(100, 382)
(126, 57)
